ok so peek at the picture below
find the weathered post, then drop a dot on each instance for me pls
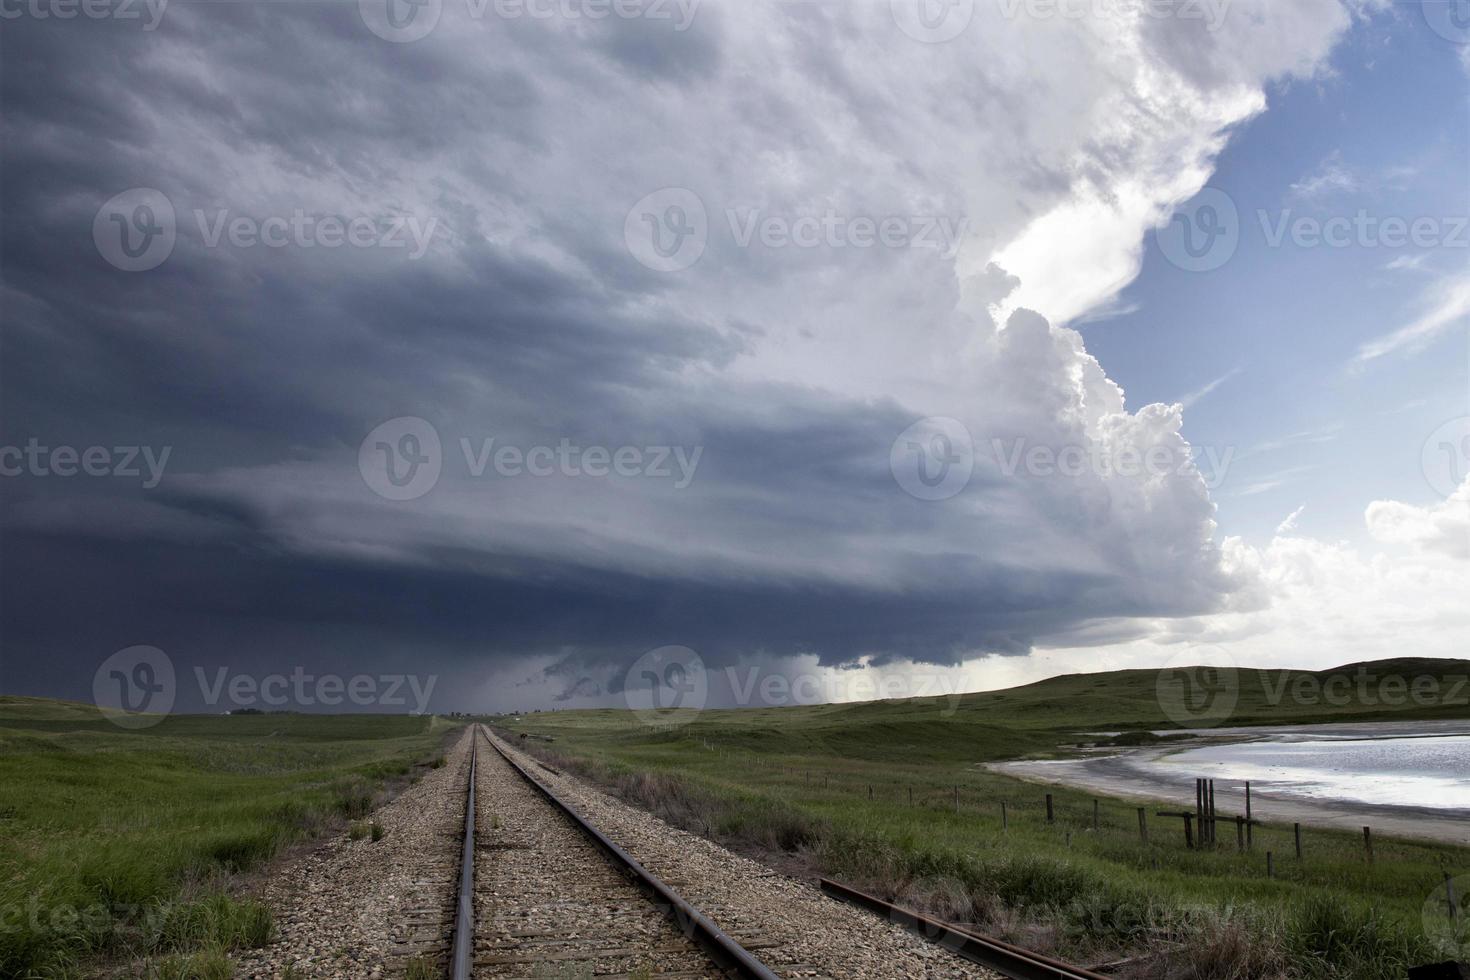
(956, 799)
(1050, 813)
(1240, 833)
(1199, 804)
(1368, 843)
(1005, 820)
(1213, 835)
(1449, 897)
(1296, 830)
(911, 796)
(1142, 825)
(1096, 823)
(1249, 837)
(870, 791)
(1270, 866)
(1188, 832)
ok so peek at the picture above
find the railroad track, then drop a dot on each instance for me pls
(544, 893)
(548, 895)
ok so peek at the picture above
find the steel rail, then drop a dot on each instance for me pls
(1002, 957)
(462, 956)
(726, 952)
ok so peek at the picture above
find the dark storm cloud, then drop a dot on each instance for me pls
(263, 369)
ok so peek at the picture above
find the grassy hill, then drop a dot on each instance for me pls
(889, 796)
(1034, 718)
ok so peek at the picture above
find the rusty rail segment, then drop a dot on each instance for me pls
(1002, 957)
(726, 952)
(462, 954)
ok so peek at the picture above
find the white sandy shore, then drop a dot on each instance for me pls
(1136, 774)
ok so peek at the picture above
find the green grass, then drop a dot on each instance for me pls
(118, 844)
(832, 784)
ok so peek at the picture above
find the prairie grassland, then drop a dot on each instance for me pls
(831, 786)
(120, 844)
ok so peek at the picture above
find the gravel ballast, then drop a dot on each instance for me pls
(790, 925)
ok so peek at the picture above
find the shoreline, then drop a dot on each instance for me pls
(1128, 773)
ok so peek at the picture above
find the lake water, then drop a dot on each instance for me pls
(1432, 770)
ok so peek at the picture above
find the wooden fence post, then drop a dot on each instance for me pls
(1142, 825)
(1005, 820)
(1096, 824)
(1270, 866)
(911, 796)
(1368, 843)
(1296, 830)
(1240, 833)
(1050, 814)
(1249, 837)
(1449, 896)
(1213, 836)
(956, 799)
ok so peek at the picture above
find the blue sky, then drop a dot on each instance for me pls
(1392, 121)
